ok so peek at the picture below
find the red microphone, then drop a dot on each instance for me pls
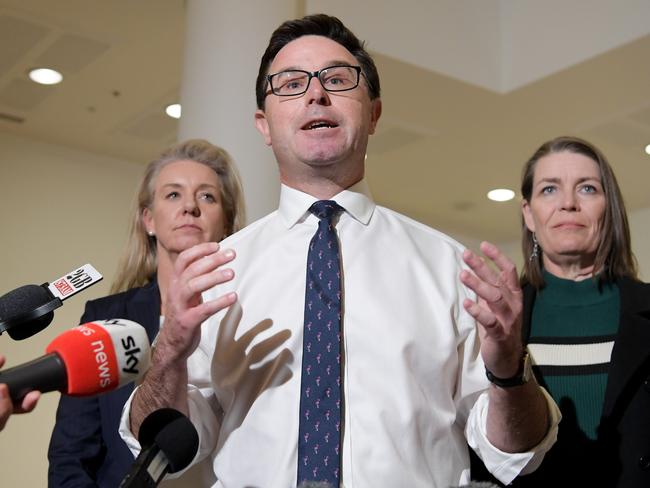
(90, 359)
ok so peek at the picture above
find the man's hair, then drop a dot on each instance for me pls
(614, 257)
(316, 25)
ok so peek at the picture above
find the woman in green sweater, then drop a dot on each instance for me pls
(586, 319)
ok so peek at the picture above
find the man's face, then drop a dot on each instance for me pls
(317, 129)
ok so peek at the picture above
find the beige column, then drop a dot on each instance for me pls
(224, 42)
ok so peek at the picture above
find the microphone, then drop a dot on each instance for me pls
(169, 443)
(86, 360)
(29, 309)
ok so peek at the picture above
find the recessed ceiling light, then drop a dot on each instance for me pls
(647, 149)
(501, 195)
(45, 76)
(173, 110)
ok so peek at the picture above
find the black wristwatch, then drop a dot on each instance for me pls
(524, 374)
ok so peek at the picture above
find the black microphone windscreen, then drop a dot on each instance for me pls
(154, 423)
(26, 311)
(179, 441)
(173, 433)
(31, 327)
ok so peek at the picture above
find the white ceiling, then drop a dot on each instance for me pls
(469, 90)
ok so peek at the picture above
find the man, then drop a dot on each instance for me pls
(380, 304)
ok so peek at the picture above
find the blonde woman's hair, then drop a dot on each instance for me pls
(138, 263)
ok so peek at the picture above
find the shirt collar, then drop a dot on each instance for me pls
(356, 200)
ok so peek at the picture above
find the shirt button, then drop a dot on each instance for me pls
(644, 463)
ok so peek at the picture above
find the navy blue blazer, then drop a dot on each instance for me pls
(86, 449)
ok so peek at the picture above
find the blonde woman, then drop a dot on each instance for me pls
(190, 195)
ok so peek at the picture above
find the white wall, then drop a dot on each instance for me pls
(640, 228)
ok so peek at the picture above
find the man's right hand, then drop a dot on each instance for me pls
(196, 270)
(165, 385)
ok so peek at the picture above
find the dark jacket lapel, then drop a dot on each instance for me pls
(144, 307)
(632, 345)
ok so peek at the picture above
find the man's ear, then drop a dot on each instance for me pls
(528, 215)
(375, 114)
(262, 126)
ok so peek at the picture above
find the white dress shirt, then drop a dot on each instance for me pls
(412, 369)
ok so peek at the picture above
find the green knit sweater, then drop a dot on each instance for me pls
(573, 327)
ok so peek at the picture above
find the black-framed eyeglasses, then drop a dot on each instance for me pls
(296, 81)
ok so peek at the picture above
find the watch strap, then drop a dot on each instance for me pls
(522, 376)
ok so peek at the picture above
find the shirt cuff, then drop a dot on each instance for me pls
(195, 401)
(125, 427)
(506, 466)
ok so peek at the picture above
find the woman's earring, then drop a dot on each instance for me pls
(151, 234)
(535, 253)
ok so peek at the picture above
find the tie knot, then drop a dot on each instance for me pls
(325, 209)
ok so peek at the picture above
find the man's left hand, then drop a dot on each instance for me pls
(498, 309)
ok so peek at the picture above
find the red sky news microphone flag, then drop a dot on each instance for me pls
(90, 359)
(29, 309)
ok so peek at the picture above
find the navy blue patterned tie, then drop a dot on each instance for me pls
(320, 389)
